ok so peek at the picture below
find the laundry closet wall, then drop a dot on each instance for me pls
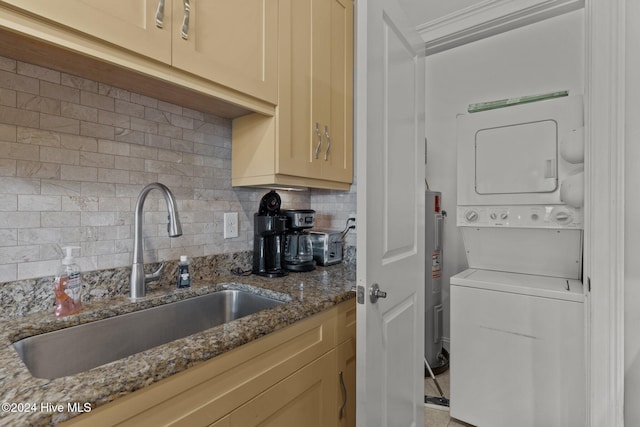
(543, 57)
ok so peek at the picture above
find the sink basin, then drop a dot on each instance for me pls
(80, 348)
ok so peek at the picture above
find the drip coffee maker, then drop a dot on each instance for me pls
(268, 237)
(298, 249)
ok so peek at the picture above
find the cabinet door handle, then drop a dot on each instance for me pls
(319, 140)
(326, 134)
(185, 20)
(344, 394)
(160, 14)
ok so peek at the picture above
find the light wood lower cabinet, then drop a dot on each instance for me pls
(346, 358)
(304, 398)
(291, 377)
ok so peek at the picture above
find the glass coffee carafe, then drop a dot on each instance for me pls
(298, 249)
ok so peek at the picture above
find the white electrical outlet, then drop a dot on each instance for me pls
(230, 225)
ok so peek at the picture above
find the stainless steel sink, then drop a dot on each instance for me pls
(80, 348)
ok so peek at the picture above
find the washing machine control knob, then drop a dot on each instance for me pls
(471, 216)
(562, 217)
(504, 215)
(493, 215)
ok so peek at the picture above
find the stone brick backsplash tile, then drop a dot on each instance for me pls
(78, 83)
(11, 80)
(38, 137)
(59, 123)
(38, 72)
(79, 173)
(8, 97)
(8, 132)
(34, 169)
(19, 151)
(101, 102)
(16, 116)
(31, 102)
(59, 155)
(74, 155)
(8, 64)
(60, 92)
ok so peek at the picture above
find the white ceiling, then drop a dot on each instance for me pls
(423, 11)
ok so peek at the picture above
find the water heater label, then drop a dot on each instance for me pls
(435, 266)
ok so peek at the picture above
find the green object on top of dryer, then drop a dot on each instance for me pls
(491, 105)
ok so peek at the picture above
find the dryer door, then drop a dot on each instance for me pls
(509, 156)
(517, 159)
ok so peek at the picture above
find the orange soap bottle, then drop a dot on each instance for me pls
(68, 285)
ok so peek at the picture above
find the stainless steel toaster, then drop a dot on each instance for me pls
(327, 246)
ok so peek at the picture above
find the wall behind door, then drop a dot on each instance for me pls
(539, 58)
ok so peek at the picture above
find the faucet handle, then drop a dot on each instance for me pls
(156, 274)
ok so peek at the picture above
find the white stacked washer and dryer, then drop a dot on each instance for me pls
(517, 351)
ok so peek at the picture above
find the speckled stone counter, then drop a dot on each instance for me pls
(35, 401)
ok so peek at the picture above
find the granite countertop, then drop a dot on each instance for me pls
(34, 401)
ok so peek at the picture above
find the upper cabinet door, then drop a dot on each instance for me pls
(316, 89)
(126, 23)
(229, 42)
(300, 71)
(338, 153)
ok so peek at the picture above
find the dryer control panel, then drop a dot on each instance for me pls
(520, 216)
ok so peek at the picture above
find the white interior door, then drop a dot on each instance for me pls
(390, 175)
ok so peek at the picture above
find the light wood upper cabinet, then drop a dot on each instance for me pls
(230, 42)
(338, 160)
(310, 141)
(127, 23)
(316, 80)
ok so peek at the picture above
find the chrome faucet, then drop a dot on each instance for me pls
(138, 277)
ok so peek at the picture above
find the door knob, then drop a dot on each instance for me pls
(376, 293)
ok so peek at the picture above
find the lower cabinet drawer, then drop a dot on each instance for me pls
(305, 398)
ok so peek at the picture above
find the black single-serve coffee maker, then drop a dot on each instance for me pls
(268, 237)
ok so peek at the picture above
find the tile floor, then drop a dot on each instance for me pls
(435, 415)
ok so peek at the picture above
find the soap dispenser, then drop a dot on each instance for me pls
(68, 285)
